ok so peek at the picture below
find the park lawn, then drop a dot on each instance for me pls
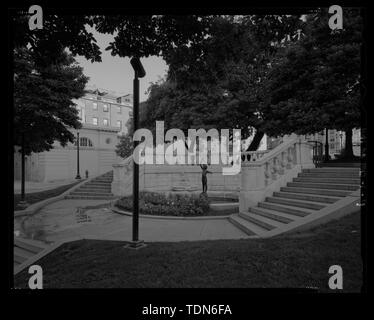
(42, 195)
(298, 260)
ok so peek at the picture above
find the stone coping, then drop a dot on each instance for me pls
(115, 209)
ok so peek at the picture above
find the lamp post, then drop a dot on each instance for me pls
(139, 73)
(23, 204)
(341, 141)
(78, 177)
(327, 145)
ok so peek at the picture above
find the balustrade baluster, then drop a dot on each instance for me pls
(267, 173)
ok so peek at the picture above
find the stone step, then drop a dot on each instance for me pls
(329, 180)
(299, 204)
(307, 197)
(94, 187)
(271, 214)
(261, 221)
(333, 170)
(327, 192)
(323, 186)
(105, 191)
(341, 164)
(249, 228)
(329, 175)
(105, 184)
(21, 255)
(92, 193)
(90, 197)
(29, 245)
(285, 209)
(19, 259)
(102, 180)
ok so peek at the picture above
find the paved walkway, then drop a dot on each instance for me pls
(31, 186)
(63, 220)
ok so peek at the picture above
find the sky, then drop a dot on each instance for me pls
(116, 74)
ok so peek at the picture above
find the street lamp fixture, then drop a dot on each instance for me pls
(139, 73)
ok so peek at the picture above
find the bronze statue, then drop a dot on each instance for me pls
(204, 179)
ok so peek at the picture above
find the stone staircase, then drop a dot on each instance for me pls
(97, 188)
(24, 250)
(311, 191)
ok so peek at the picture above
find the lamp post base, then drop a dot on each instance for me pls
(135, 245)
(78, 177)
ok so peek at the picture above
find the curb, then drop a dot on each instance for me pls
(115, 209)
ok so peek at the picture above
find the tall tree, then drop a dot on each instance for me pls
(315, 83)
(46, 79)
(214, 82)
(43, 107)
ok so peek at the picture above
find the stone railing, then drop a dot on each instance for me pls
(273, 169)
(251, 156)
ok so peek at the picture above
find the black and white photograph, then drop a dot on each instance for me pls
(188, 148)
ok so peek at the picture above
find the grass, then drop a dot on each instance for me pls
(42, 195)
(298, 260)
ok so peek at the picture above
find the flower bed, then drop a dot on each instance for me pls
(152, 203)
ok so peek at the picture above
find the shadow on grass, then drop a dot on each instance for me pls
(298, 260)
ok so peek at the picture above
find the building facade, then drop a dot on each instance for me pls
(102, 109)
(104, 119)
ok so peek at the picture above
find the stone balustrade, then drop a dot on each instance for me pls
(262, 172)
(266, 172)
(251, 156)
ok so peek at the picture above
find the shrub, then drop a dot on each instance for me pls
(152, 203)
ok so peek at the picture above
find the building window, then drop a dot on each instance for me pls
(94, 121)
(119, 123)
(94, 106)
(105, 108)
(119, 110)
(84, 142)
(105, 122)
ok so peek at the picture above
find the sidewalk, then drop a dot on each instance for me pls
(32, 186)
(63, 220)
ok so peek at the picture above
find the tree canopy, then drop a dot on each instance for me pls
(214, 83)
(315, 83)
(43, 107)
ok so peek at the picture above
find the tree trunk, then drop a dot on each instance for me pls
(327, 151)
(255, 143)
(348, 150)
(23, 169)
